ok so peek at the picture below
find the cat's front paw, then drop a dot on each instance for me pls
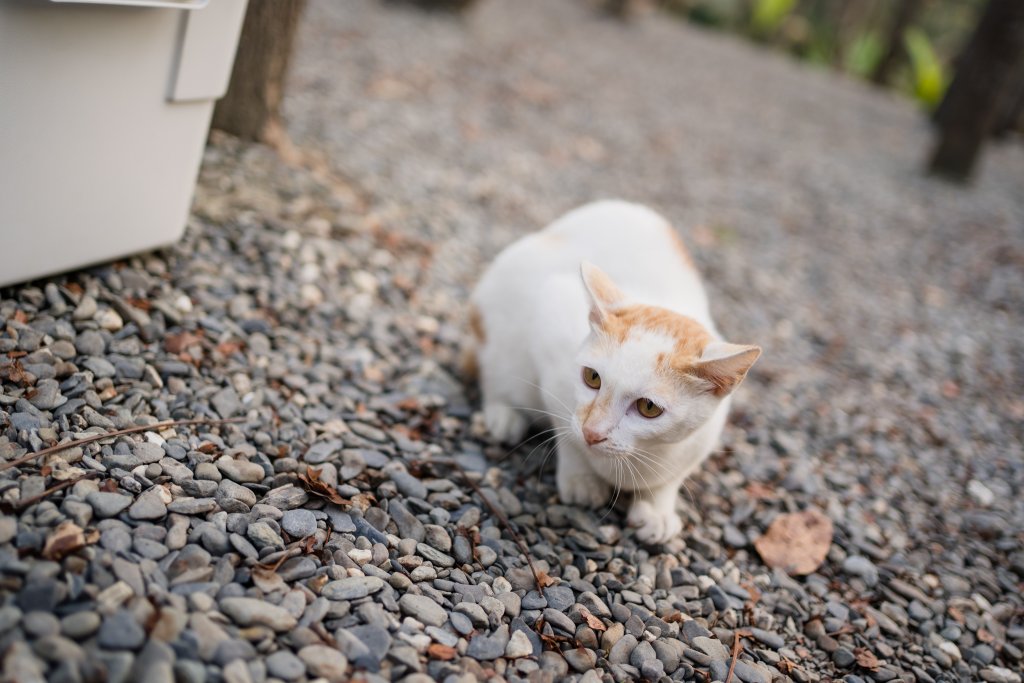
(505, 424)
(587, 490)
(653, 526)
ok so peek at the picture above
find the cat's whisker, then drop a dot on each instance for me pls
(547, 392)
(651, 462)
(618, 490)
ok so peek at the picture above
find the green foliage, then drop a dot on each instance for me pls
(929, 80)
(863, 54)
(768, 15)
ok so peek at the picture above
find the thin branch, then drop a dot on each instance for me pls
(737, 648)
(496, 512)
(131, 430)
(22, 504)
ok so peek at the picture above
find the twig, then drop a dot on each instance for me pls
(496, 512)
(131, 430)
(737, 648)
(22, 504)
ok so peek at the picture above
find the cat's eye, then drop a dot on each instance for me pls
(591, 378)
(648, 408)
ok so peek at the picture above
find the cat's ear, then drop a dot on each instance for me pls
(725, 365)
(604, 294)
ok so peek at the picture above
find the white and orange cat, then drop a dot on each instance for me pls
(599, 323)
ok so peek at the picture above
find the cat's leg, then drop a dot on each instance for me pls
(503, 396)
(653, 513)
(578, 483)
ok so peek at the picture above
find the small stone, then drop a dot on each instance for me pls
(519, 646)
(843, 658)
(241, 471)
(47, 395)
(560, 598)
(298, 523)
(151, 504)
(981, 494)
(120, 631)
(354, 588)
(712, 647)
(285, 665)
(580, 659)
(252, 611)
(106, 504)
(80, 625)
(485, 648)
(423, 609)
(324, 661)
(623, 648)
(858, 565)
(226, 402)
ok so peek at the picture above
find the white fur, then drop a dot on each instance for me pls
(534, 309)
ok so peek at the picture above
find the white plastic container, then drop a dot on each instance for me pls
(104, 112)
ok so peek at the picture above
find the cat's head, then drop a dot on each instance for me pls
(648, 375)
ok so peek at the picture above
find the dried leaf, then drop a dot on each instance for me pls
(866, 658)
(267, 580)
(64, 540)
(176, 343)
(592, 621)
(796, 542)
(229, 347)
(14, 373)
(543, 580)
(442, 652)
(311, 481)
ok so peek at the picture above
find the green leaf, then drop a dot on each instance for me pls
(928, 74)
(769, 14)
(863, 54)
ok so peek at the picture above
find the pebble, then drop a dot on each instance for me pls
(120, 631)
(150, 505)
(285, 665)
(423, 609)
(240, 471)
(298, 523)
(252, 611)
(353, 588)
(324, 662)
(108, 504)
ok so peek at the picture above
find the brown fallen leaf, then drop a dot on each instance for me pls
(592, 621)
(314, 484)
(66, 539)
(543, 580)
(866, 658)
(176, 343)
(796, 542)
(442, 652)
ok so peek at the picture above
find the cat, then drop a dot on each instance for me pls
(599, 324)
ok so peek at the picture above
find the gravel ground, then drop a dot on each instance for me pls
(321, 306)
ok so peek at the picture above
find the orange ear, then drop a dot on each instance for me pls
(725, 365)
(604, 294)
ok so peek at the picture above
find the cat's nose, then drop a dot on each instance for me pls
(592, 437)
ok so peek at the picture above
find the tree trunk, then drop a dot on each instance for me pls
(1011, 114)
(251, 109)
(982, 83)
(902, 16)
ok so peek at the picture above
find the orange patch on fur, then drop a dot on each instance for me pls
(690, 336)
(601, 287)
(476, 325)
